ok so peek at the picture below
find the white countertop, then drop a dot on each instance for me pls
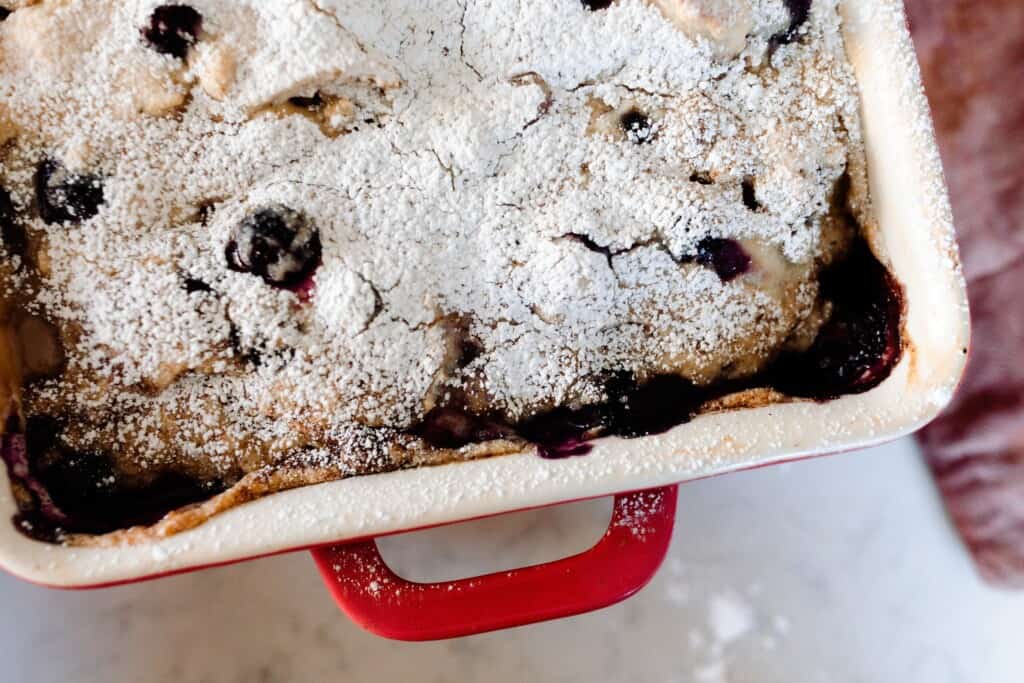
(841, 569)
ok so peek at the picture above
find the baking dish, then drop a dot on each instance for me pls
(912, 232)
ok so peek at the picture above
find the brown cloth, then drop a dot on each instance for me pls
(972, 57)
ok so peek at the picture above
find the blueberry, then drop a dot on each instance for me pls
(4, 13)
(595, 5)
(860, 344)
(12, 234)
(799, 11)
(633, 409)
(448, 427)
(42, 434)
(727, 257)
(173, 29)
(276, 243)
(653, 407)
(562, 432)
(22, 451)
(82, 492)
(637, 126)
(66, 197)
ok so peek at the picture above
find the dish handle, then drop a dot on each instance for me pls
(620, 564)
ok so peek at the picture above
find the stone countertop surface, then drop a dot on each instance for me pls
(841, 569)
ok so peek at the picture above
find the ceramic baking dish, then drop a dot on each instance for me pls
(913, 231)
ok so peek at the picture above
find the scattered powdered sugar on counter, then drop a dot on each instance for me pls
(489, 227)
(729, 617)
(721, 621)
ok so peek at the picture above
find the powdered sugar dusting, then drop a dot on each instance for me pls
(472, 144)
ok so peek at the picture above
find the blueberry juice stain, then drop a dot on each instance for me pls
(855, 351)
(61, 491)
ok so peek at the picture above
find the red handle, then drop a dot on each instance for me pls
(621, 563)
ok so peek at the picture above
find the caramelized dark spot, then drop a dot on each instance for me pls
(40, 346)
(448, 428)
(12, 233)
(469, 350)
(173, 29)
(727, 257)
(750, 195)
(4, 13)
(637, 127)
(245, 354)
(701, 178)
(314, 103)
(193, 285)
(66, 197)
(205, 209)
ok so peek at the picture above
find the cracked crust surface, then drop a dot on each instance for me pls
(472, 183)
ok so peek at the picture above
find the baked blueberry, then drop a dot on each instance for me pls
(449, 427)
(652, 407)
(799, 11)
(727, 257)
(42, 434)
(12, 234)
(597, 4)
(66, 197)
(81, 492)
(173, 29)
(276, 243)
(637, 127)
(18, 449)
(562, 432)
(4, 13)
(632, 409)
(860, 344)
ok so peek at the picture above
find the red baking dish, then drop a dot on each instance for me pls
(912, 232)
